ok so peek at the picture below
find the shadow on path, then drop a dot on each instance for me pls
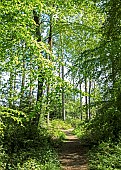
(72, 153)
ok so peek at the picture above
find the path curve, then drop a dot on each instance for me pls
(72, 154)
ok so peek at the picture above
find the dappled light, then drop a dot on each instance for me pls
(72, 153)
(60, 84)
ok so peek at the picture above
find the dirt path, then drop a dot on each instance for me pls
(72, 153)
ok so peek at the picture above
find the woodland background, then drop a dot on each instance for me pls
(58, 60)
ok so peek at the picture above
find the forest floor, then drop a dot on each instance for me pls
(72, 153)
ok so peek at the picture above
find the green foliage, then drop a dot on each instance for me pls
(55, 129)
(102, 155)
(41, 157)
(10, 120)
(22, 145)
(12, 116)
(34, 164)
(2, 126)
(86, 40)
(60, 124)
(75, 122)
(72, 108)
(105, 156)
(106, 124)
(79, 128)
(3, 158)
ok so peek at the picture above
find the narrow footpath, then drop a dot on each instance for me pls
(72, 154)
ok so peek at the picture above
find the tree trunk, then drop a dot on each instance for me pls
(48, 85)
(40, 76)
(63, 96)
(31, 85)
(63, 91)
(89, 99)
(86, 101)
(74, 96)
(11, 89)
(80, 88)
(22, 83)
(14, 88)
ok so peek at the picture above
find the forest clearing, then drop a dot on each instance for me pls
(60, 84)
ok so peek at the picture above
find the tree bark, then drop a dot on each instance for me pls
(63, 91)
(48, 85)
(11, 88)
(86, 101)
(40, 76)
(89, 99)
(80, 88)
(22, 83)
(63, 96)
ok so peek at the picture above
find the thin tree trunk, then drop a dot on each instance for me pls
(40, 76)
(63, 91)
(80, 88)
(113, 77)
(14, 88)
(59, 74)
(48, 85)
(74, 97)
(10, 89)
(31, 86)
(89, 99)
(63, 96)
(86, 101)
(22, 83)
(40, 72)
(59, 70)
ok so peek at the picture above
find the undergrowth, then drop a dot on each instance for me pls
(104, 152)
(79, 128)
(60, 124)
(23, 146)
(105, 156)
(55, 129)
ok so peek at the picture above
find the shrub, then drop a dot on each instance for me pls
(60, 124)
(105, 126)
(106, 156)
(23, 146)
(3, 158)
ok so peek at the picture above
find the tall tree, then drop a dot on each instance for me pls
(40, 75)
(63, 91)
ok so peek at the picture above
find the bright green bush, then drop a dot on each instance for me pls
(60, 124)
(57, 134)
(10, 120)
(41, 158)
(56, 129)
(79, 128)
(106, 156)
(105, 126)
(31, 150)
(3, 158)
(22, 145)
